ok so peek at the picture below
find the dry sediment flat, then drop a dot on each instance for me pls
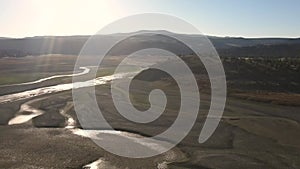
(250, 135)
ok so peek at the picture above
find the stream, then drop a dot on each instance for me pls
(85, 71)
(61, 87)
(70, 123)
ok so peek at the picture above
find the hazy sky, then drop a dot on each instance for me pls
(247, 18)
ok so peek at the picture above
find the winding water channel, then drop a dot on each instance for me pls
(60, 87)
(70, 123)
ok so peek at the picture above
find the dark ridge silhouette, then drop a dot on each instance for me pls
(227, 46)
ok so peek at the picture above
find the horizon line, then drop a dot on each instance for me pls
(207, 35)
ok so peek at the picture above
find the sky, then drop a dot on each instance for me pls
(235, 18)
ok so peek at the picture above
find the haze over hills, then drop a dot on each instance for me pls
(226, 46)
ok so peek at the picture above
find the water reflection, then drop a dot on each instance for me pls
(61, 87)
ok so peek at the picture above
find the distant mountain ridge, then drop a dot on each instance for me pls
(226, 46)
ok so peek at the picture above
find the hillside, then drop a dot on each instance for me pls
(227, 46)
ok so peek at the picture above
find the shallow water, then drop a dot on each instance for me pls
(118, 137)
(34, 112)
(61, 87)
(103, 135)
(70, 122)
(85, 71)
(26, 107)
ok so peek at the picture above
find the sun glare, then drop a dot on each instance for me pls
(49, 17)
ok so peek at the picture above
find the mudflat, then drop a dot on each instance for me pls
(43, 132)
